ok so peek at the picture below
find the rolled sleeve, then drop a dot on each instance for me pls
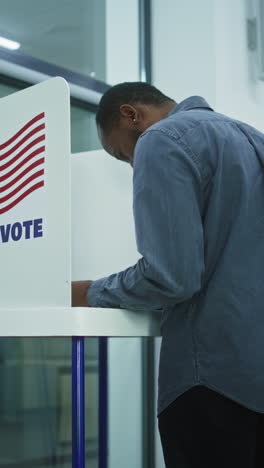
(93, 295)
(169, 234)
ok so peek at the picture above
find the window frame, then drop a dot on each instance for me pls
(23, 70)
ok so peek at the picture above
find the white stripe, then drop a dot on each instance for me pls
(16, 163)
(8, 202)
(25, 177)
(14, 143)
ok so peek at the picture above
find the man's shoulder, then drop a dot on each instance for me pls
(179, 123)
(171, 130)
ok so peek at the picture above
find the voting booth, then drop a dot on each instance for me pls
(44, 195)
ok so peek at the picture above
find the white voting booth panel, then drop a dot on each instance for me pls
(36, 224)
(35, 196)
(103, 237)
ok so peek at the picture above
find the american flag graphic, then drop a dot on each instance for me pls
(22, 163)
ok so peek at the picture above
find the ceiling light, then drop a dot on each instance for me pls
(13, 45)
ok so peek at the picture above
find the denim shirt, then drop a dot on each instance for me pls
(198, 205)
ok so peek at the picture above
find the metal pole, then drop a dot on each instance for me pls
(145, 40)
(148, 402)
(103, 403)
(148, 406)
(78, 403)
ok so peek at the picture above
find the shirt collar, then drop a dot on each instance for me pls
(192, 102)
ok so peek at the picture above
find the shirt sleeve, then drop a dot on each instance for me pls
(167, 198)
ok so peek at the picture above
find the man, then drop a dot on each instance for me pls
(198, 204)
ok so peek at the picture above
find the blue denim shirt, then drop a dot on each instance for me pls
(198, 204)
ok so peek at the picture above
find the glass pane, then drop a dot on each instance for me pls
(68, 33)
(5, 90)
(83, 130)
(125, 436)
(35, 402)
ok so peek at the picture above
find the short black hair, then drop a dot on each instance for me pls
(126, 93)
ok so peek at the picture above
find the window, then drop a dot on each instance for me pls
(63, 33)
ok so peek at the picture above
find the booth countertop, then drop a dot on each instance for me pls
(77, 321)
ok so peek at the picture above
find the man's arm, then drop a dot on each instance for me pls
(169, 233)
(79, 292)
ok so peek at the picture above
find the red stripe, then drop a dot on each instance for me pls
(23, 129)
(22, 152)
(25, 138)
(24, 195)
(22, 174)
(22, 163)
(21, 186)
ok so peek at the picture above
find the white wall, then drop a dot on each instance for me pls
(183, 48)
(239, 92)
(201, 48)
(122, 41)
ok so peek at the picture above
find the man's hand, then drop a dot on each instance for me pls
(79, 291)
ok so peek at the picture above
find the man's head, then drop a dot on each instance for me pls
(125, 112)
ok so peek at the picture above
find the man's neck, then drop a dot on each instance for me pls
(167, 108)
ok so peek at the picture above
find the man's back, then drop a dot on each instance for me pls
(198, 205)
(216, 337)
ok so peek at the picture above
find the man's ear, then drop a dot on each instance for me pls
(129, 112)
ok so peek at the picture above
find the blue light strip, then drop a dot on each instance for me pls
(78, 403)
(103, 403)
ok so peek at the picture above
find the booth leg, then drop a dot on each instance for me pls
(103, 403)
(78, 403)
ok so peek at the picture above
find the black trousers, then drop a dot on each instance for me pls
(204, 429)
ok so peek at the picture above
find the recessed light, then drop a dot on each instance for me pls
(8, 44)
